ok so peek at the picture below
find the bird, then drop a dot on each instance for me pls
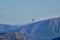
(33, 19)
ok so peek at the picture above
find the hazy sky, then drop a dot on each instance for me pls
(21, 11)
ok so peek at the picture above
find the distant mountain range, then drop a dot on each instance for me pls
(40, 30)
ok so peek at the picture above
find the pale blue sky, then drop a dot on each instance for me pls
(21, 11)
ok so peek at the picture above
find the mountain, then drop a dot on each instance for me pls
(7, 28)
(40, 30)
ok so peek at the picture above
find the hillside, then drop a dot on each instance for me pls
(40, 30)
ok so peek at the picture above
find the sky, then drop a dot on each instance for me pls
(23, 11)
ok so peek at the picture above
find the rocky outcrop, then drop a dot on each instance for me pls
(12, 36)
